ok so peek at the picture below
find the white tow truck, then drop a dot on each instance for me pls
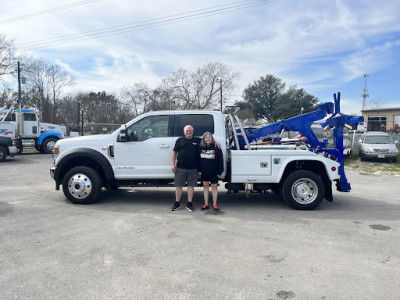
(139, 154)
(24, 125)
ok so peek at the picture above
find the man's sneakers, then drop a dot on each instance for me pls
(177, 206)
(189, 206)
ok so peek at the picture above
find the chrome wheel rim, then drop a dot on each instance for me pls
(80, 186)
(50, 145)
(304, 191)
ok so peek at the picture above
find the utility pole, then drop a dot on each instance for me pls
(19, 82)
(365, 94)
(82, 123)
(220, 89)
(20, 122)
(78, 106)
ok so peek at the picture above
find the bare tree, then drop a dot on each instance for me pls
(7, 55)
(58, 79)
(7, 95)
(138, 97)
(37, 82)
(44, 85)
(162, 99)
(200, 88)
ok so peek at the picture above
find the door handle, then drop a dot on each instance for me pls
(163, 145)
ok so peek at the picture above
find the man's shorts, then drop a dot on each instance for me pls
(183, 176)
(211, 178)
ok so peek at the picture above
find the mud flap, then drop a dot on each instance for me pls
(328, 191)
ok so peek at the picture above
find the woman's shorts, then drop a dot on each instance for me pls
(183, 176)
(211, 178)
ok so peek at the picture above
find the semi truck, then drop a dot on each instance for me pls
(139, 154)
(24, 125)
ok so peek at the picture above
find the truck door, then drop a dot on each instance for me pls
(147, 152)
(31, 125)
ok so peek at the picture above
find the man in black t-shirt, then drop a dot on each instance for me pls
(186, 152)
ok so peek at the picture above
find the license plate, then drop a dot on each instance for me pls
(381, 156)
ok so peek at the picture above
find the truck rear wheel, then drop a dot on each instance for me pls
(3, 153)
(48, 145)
(82, 185)
(303, 190)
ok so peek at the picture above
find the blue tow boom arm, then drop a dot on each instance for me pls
(302, 124)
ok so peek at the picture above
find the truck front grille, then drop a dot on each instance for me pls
(381, 150)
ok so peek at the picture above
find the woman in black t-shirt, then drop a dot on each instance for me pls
(211, 168)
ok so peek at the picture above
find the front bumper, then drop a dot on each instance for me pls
(381, 155)
(13, 150)
(54, 175)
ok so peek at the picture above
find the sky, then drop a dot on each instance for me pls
(322, 46)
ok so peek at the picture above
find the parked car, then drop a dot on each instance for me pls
(378, 145)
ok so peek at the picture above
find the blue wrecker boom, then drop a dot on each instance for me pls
(303, 123)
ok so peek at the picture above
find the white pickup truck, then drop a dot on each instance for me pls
(139, 154)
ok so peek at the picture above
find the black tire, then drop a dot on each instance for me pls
(82, 185)
(303, 190)
(362, 157)
(48, 145)
(3, 153)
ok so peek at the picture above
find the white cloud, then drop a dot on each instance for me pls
(320, 45)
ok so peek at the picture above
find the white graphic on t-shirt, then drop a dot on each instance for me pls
(207, 154)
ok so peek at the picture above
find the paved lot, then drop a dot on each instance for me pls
(130, 245)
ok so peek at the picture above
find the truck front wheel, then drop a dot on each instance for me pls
(48, 145)
(303, 190)
(82, 185)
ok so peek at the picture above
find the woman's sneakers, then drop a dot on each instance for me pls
(204, 207)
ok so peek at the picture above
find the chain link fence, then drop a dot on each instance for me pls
(92, 128)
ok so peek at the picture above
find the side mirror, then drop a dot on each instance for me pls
(122, 134)
(360, 140)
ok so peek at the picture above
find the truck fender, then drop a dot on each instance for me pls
(84, 156)
(313, 165)
(58, 135)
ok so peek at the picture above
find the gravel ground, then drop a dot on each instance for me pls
(373, 167)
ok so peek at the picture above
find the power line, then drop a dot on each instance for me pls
(47, 11)
(139, 25)
(221, 9)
